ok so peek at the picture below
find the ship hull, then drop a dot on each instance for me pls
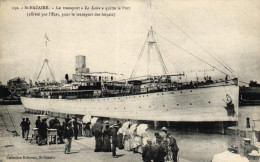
(189, 105)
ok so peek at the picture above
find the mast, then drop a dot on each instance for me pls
(46, 62)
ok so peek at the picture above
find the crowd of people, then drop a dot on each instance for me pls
(158, 147)
(65, 131)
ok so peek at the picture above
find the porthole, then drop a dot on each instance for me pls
(190, 91)
(177, 104)
(209, 101)
(190, 103)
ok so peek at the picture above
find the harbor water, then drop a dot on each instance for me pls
(193, 146)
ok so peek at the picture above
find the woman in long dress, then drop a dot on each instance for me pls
(87, 130)
(127, 139)
(120, 139)
(97, 132)
(137, 143)
(106, 138)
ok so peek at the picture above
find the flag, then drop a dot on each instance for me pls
(46, 37)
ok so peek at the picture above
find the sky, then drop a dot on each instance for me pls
(228, 29)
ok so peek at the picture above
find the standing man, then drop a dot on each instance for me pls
(27, 128)
(158, 150)
(67, 119)
(172, 146)
(147, 154)
(68, 134)
(38, 122)
(56, 120)
(75, 128)
(114, 130)
(59, 131)
(163, 134)
(43, 129)
(23, 123)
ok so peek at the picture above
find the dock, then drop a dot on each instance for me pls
(15, 148)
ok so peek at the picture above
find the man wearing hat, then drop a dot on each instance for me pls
(158, 150)
(43, 132)
(172, 146)
(27, 128)
(23, 123)
(163, 134)
(68, 134)
(38, 122)
(67, 119)
(248, 147)
(114, 130)
(147, 154)
(75, 127)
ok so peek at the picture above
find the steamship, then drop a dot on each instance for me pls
(162, 97)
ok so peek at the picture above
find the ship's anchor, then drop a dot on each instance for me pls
(229, 106)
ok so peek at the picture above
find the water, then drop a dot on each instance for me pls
(197, 147)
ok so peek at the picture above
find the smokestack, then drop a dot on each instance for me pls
(248, 122)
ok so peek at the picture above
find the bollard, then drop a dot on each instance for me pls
(247, 122)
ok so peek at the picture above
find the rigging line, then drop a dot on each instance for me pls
(195, 41)
(11, 118)
(168, 56)
(148, 58)
(145, 10)
(138, 61)
(40, 71)
(161, 58)
(52, 70)
(139, 57)
(209, 51)
(192, 54)
(51, 73)
(171, 60)
(243, 82)
(2, 114)
(35, 74)
(151, 14)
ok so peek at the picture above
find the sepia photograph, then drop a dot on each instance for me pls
(130, 80)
